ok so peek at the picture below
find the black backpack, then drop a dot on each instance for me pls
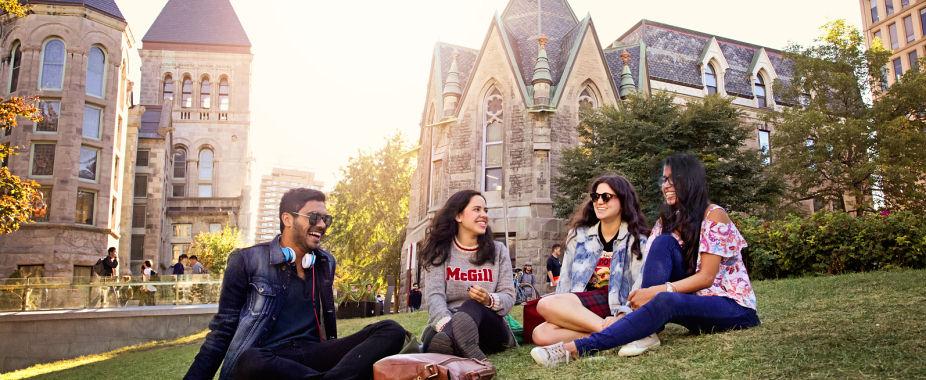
(98, 267)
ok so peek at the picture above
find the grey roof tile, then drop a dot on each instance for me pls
(521, 23)
(108, 7)
(185, 22)
(466, 60)
(612, 57)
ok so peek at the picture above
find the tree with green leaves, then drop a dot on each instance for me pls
(370, 209)
(634, 139)
(842, 147)
(213, 248)
(20, 198)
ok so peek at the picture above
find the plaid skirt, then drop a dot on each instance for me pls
(596, 301)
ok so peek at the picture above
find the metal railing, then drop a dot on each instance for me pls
(60, 293)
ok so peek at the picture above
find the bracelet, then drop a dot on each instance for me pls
(670, 288)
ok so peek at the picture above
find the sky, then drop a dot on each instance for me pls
(333, 78)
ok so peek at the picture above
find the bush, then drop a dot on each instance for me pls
(832, 243)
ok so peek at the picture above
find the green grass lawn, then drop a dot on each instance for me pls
(866, 325)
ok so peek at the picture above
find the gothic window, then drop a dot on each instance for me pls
(223, 94)
(52, 68)
(96, 71)
(16, 58)
(179, 162)
(587, 99)
(710, 79)
(759, 87)
(205, 93)
(168, 88)
(88, 163)
(49, 110)
(186, 98)
(205, 164)
(91, 128)
(493, 146)
(43, 159)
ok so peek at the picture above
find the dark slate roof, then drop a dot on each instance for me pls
(108, 7)
(203, 22)
(673, 55)
(150, 121)
(612, 57)
(521, 23)
(466, 60)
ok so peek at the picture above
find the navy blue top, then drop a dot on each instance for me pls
(297, 317)
(178, 268)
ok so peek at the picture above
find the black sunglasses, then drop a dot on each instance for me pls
(606, 197)
(314, 216)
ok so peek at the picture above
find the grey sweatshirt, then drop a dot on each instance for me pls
(445, 285)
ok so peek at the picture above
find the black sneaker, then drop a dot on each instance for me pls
(465, 336)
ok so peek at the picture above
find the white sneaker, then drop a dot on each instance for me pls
(640, 346)
(551, 356)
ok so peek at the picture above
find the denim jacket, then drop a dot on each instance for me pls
(582, 252)
(252, 297)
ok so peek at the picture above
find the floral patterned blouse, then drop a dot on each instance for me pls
(724, 240)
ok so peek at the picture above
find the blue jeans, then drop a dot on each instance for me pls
(699, 314)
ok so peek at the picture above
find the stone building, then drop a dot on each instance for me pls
(200, 72)
(272, 187)
(496, 119)
(900, 27)
(75, 57)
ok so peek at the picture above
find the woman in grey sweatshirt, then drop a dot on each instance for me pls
(468, 284)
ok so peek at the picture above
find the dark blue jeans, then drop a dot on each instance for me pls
(699, 314)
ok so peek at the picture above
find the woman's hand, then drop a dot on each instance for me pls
(640, 297)
(480, 295)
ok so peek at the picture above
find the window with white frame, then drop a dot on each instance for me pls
(87, 166)
(765, 148)
(43, 159)
(759, 88)
(168, 90)
(206, 161)
(494, 141)
(186, 97)
(52, 68)
(92, 120)
(96, 72)
(50, 110)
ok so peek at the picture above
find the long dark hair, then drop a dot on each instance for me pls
(443, 230)
(584, 216)
(685, 216)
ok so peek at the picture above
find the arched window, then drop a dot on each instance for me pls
(179, 162)
(52, 70)
(16, 58)
(760, 91)
(710, 79)
(494, 142)
(204, 189)
(587, 99)
(186, 98)
(205, 164)
(223, 94)
(168, 88)
(205, 93)
(96, 70)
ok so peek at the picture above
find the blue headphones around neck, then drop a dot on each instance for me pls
(308, 261)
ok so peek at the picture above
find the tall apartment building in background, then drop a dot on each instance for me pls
(900, 26)
(272, 187)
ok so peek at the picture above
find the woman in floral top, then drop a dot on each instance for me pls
(693, 276)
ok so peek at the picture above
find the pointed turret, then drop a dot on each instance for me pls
(452, 90)
(542, 78)
(627, 85)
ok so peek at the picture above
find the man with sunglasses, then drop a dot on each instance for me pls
(276, 315)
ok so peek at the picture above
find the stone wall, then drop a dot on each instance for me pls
(44, 336)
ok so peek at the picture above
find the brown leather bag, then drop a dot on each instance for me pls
(431, 367)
